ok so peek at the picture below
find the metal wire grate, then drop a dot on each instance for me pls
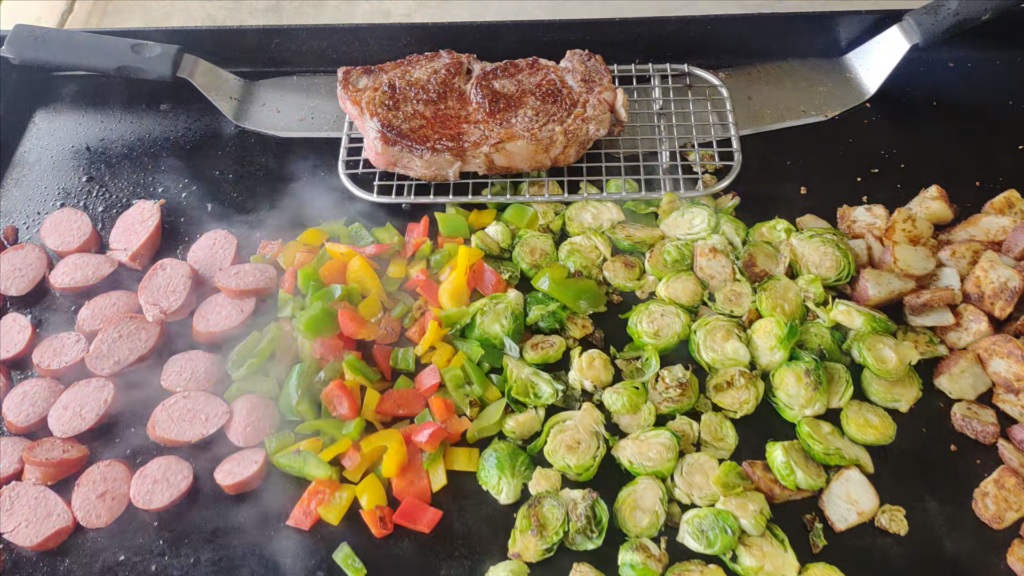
(681, 137)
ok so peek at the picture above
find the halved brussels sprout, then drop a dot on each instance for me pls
(592, 216)
(717, 435)
(588, 519)
(625, 397)
(717, 343)
(642, 557)
(658, 324)
(731, 479)
(539, 188)
(641, 507)
(820, 569)
(496, 318)
(550, 217)
(693, 480)
(584, 569)
(780, 297)
(812, 288)
(899, 393)
(692, 220)
(573, 442)
(585, 254)
(632, 237)
(867, 424)
(793, 467)
(771, 340)
(501, 234)
(519, 426)
(670, 201)
(669, 256)
(823, 253)
(577, 326)
(674, 390)
(543, 349)
(642, 419)
(705, 159)
(509, 568)
(508, 270)
(798, 388)
(494, 240)
(737, 391)
(750, 508)
(840, 384)
(682, 289)
(760, 260)
(709, 530)
(823, 342)
(925, 342)
(694, 568)
(530, 386)
(619, 185)
(624, 272)
(882, 354)
(688, 431)
(544, 314)
(637, 362)
(592, 369)
(713, 261)
(733, 229)
(534, 251)
(731, 298)
(775, 231)
(541, 523)
(892, 519)
(675, 514)
(766, 555)
(860, 318)
(544, 480)
(651, 452)
(502, 470)
(826, 444)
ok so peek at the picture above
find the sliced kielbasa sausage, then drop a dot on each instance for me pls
(247, 280)
(101, 493)
(219, 318)
(5, 381)
(59, 354)
(16, 334)
(211, 253)
(191, 370)
(69, 231)
(11, 463)
(253, 418)
(161, 483)
(136, 234)
(187, 418)
(242, 471)
(27, 404)
(52, 459)
(22, 266)
(104, 310)
(128, 341)
(34, 517)
(81, 407)
(80, 271)
(167, 291)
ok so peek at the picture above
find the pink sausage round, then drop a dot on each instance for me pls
(22, 266)
(128, 341)
(101, 493)
(212, 252)
(187, 418)
(27, 404)
(167, 291)
(247, 280)
(161, 483)
(11, 463)
(80, 271)
(68, 231)
(253, 418)
(242, 471)
(5, 382)
(81, 407)
(104, 310)
(52, 459)
(136, 234)
(192, 370)
(16, 334)
(34, 517)
(59, 354)
(220, 317)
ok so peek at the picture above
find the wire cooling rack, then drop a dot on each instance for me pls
(681, 137)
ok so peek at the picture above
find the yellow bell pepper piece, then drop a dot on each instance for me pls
(286, 256)
(481, 218)
(337, 504)
(370, 493)
(328, 454)
(415, 266)
(425, 358)
(313, 237)
(445, 272)
(396, 267)
(361, 275)
(491, 394)
(460, 459)
(454, 290)
(443, 353)
(458, 360)
(366, 461)
(369, 409)
(370, 307)
(438, 475)
(340, 251)
(313, 444)
(396, 453)
(431, 337)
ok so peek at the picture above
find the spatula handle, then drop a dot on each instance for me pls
(83, 52)
(941, 18)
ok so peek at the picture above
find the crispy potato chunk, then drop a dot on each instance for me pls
(1016, 435)
(862, 221)
(1013, 246)
(1002, 356)
(914, 261)
(971, 325)
(766, 483)
(961, 376)
(873, 287)
(962, 256)
(921, 301)
(808, 221)
(933, 205)
(1015, 556)
(934, 318)
(999, 499)
(976, 421)
(993, 286)
(981, 228)
(1010, 401)
(860, 251)
(942, 277)
(906, 227)
(1014, 326)
(1011, 455)
(876, 251)
(849, 499)
(1009, 203)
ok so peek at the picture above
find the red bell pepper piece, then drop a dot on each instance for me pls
(442, 240)
(304, 515)
(269, 248)
(380, 520)
(441, 408)
(427, 381)
(350, 459)
(389, 329)
(287, 283)
(486, 279)
(412, 480)
(428, 289)
(419, 328)
(404, 403)
(353, 325)
(333, 348)
(456, 425)
(416, 234)
(415, 280)
(428, 435)
(371, 250)
(382, 356)
(340, 401)
(416, 515)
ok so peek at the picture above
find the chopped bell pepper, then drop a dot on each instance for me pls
(372, 250)
(288, 280)
(351, 457)
(521, 216)
(429, 435)
(456, 425)
(486, 279)
(359, 235)
(428, 380)
(295, 401)
(344, 557)
(333, 427)
(339, 400)
(404, 403)
(380, 520)
(333, 272)
(443, 353)
(329, 294)
(441, 408)
(454, 290)
(370, 493)
(450, 241)
(437, 474)
(313, 237)
(387, 234)
(269, 248)
(491, 393)
(451, 225)
(360, 274)
(459, 459)
(412, 480)
(389, 329)
(353, 325)
(339, 447)
(403, 382)
(305, 515)
(403, 359)
(311, 444)
(382, 357)
(304, 464)
(418, 329)
(317, 320)
(416, 231)
(369, 409)
(367, 460)
(370, 307)
(251, 353)
(396, 453)
(487, 423)
(581, 295)
(278, 441)
(396, 267)
(433, 335)
(303, 259)
(481, 218)
(428, 289)
(305, 276)
(417, 515)
(333, 348)
(357, 369)
(458, 360)
(333, 509)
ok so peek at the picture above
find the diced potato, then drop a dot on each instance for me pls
(921, 301)
(906, 227)
(1010, 401)
(961, 376)
(971, 325)
(1014, 326)
(861, 254)
(808, 221)
(1015, 556)
(1011, 455)
(993, 286)
(1009, 203)
(876, 251)
(934, 318)
(849, 499)
(933, 205)
(962, 256)
(942, 277)
(976, 421)
(915, 261)
(1008, 261)
(982, 228)
(766, 483)
(1002, 356)
(1016, 435)
(999, 499)
(864, 220)
(873, 287)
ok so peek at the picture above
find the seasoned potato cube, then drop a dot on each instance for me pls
(1002, 356)
(1014, 326)
(876, 251)
(999, 500)
(1015, 556)
(873, 287)
(1016, 435)
(993, 286)
(862, 221)
(1011, 455)
(906, 227)
(915, 261)
(808, 221)
(921, 301)
(1009, 401)
(849, 499)
(942, 277)
(976, 421)
(962, 256)
(961, 376)
(1009, 203)
(982, 228)
(933, 205)
(971, 325)
(860, 251)
(766, 483)
(934, 318)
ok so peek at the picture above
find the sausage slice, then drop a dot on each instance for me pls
(161, 483)
(136, 234)
(5, 382)
(16, 333)
(211, 253)
(253, 418)
(242, 471)
(69, 231)
(81, 407)
(52, 459)
(191, 370)
(187, 418)
(34, 517)
(129, 340)
(11, 463)
(167, 291)
(101, 493)
(22, 266)
(220, 317)
(246, 280)
(28, 403)
(104, 309)
(80, 271)
(59, 354)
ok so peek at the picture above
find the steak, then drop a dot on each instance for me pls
(432, 116)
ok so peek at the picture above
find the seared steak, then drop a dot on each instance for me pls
(433, 115)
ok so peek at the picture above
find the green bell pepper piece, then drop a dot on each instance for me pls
(455, 209)
(328, 294)
(258, 259)
(521, 216)
(437, 260)
(488, 422)
(391, 284)
(581, 295)
(403, 382)
(320, 259)
(288, 304)
(256, 384)
(454, 317)
(347, 560)
(435, 456)
(357, 369)
(403, 304)
(336, 229)
(452, 225)
(304, 464)
(359, 235)
(424, 250)
(461, 391)
(388, 235)
(316, 321)
(424, 416)
(403, 359)
(278, 441)
(477, 379)
(471, 348)
(294, 402)
(251, 353)
(333, 427)
(306, 276)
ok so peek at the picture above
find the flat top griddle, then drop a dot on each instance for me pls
(950, 115)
